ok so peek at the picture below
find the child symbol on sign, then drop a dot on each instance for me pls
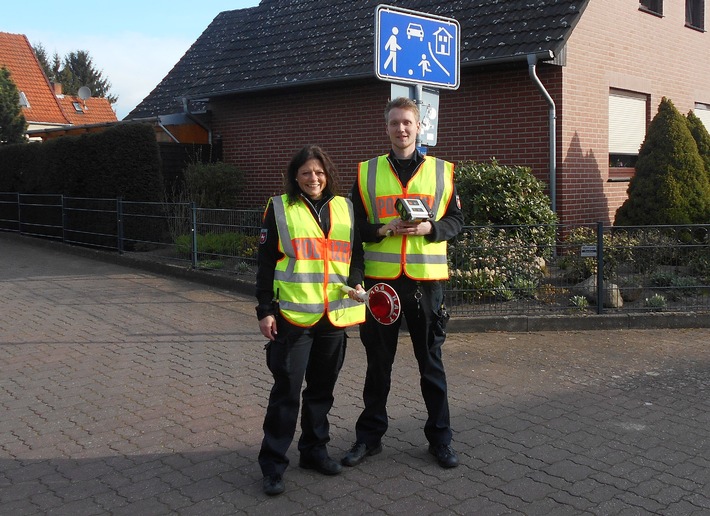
(424, 63)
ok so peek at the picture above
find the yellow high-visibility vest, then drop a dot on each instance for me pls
(315, 266)
(380, 188)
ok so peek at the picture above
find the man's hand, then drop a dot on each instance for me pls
(413, 228)
(267, 325)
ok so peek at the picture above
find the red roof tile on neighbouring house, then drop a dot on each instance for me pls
(94, 110)
(25, 71)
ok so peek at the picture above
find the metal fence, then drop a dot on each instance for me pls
(505, 270)
(524, 270)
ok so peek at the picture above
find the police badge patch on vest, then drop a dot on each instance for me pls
(263, 235)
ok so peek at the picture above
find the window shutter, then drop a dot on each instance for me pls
(627, 122)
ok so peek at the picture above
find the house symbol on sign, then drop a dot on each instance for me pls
(443, 41)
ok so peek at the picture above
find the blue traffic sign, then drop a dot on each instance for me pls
(416, 48)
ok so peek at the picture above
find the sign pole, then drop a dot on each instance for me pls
(418, 94)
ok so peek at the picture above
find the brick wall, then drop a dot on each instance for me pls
(493, 114)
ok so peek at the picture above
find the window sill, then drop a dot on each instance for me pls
(693, 27)
(620, 174)
(649, 11)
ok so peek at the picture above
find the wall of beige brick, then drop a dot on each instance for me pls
(616, 45)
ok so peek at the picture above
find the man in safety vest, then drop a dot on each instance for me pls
(408, 252)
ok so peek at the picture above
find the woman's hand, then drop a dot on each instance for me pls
(357, 294)
(267, 325)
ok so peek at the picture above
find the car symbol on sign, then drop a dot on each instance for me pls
(414, 30)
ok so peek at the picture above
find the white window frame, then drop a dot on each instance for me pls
(702, 111)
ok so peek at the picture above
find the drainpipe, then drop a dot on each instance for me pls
(532, 61)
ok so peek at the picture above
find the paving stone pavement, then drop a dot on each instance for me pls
(128, 392)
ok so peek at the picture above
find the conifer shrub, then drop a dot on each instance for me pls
(670, 185)
(702, 139)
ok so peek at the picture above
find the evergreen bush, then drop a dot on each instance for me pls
(702, 139)
(494, 194)
(670, 185)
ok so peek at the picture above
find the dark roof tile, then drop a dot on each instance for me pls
(284, 42)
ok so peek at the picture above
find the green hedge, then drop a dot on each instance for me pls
(122, 161)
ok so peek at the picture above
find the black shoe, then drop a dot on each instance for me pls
(445, 455)
(358, 453)
(325, 466)
(273, 485)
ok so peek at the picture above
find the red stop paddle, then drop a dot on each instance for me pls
(382, 301)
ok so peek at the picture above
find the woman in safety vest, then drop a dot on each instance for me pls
(308, 251)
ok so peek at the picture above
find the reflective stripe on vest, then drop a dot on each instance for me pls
(315, 266)
(379, 188)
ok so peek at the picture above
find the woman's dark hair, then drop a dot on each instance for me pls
(306, 153)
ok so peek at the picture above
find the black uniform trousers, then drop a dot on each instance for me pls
(422, 306)
(316, 353)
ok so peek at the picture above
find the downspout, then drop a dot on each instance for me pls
(532, 61)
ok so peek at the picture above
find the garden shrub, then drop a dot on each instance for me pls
(231, 245)
(494, 194)
(500, 262)
(619, 249)
(213, 185)
(495, 264)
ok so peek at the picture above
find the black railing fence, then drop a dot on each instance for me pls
(506, 270)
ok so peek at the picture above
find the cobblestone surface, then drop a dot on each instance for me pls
(128, 392)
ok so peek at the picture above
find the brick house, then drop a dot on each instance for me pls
(44, 106)
(566, 87)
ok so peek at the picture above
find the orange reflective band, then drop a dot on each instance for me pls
(308, 248)
(340, 251)
(385, 206)
(314, 249)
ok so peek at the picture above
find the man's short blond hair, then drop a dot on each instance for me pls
(402, 103)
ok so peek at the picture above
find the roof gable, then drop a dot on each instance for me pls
(281, 43)
(16, 55)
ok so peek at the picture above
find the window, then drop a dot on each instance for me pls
(77, 107)
(702, 111)
(695, 14)
(627, 130)
(24, 102)
(652, 6)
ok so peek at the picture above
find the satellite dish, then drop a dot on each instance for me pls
(84, 93)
